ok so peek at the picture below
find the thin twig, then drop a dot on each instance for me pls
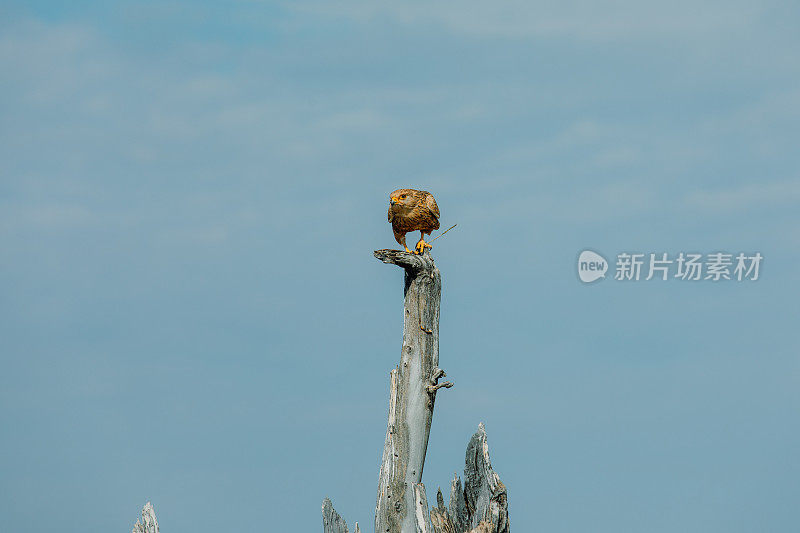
(445, 231)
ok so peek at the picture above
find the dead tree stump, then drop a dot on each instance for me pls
(414, 383)
(402, 505)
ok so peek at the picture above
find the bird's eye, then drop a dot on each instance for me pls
(402, 196)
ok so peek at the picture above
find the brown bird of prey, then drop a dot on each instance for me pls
(413, 210)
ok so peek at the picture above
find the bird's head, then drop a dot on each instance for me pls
(402, 199)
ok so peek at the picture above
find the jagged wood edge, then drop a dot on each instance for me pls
(149, 524)
(332, 522)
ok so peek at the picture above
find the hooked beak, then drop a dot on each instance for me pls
(393, 200)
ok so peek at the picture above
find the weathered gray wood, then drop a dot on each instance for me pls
(413, 386)
(149, 524)
(482, 504)
(440, 518)
(332, 522)
(422, 518)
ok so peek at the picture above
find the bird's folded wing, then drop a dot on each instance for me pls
(430, 202)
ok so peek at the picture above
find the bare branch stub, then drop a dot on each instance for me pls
(406, 260)
(434, 384)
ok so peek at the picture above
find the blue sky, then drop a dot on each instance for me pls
(190, 194)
